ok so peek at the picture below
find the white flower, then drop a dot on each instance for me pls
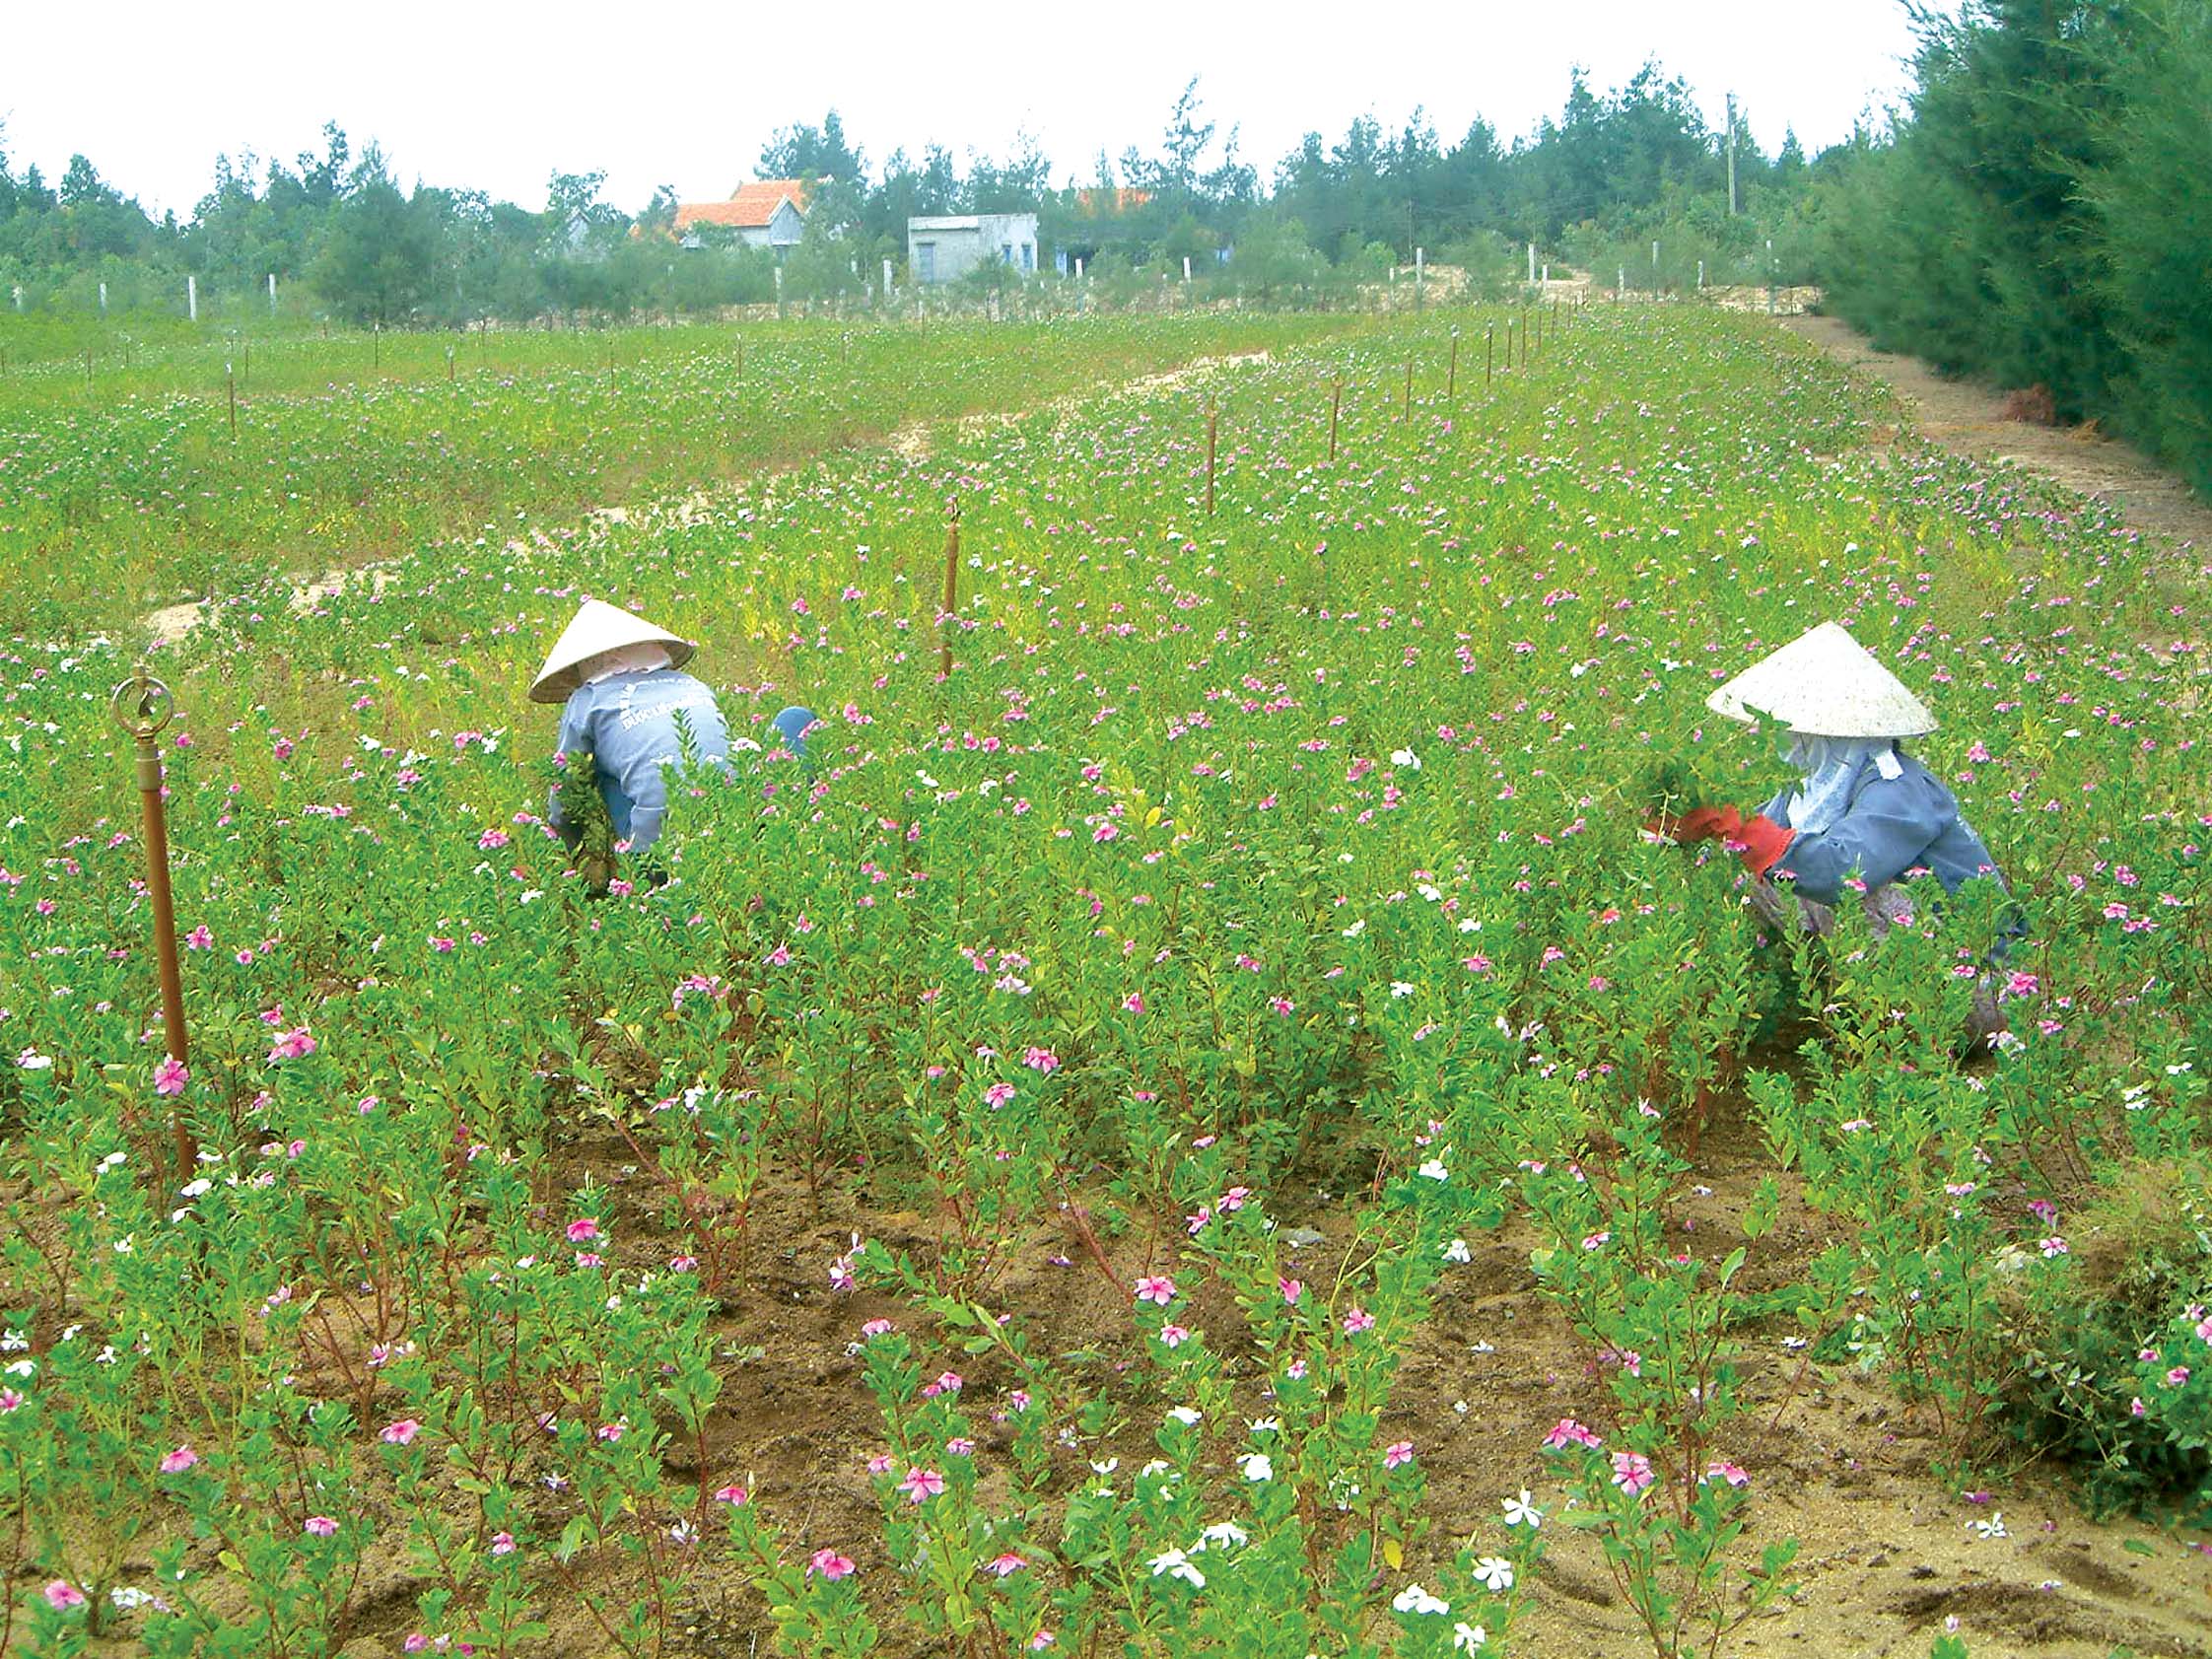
(1266, 1426)
(1495, 1573)
(1414, 1599)
(1435, 1171)
(1352, 933)
(1179, 1564)
(1106, 1468)
(1466, 1638)
(1406, 758)
(1520, 1512)
(1994, 1527)
(1257, 1466)
(30, 1060)
(196, 1189)
(1185, 1414)
(114, 1160)
(1223, 1535)
(1401, 988)
(531, 893)
(1457, 1251)
(14, 1342)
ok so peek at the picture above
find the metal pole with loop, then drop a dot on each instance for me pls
(142, 706)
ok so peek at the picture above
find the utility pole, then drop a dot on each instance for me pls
(1731, 155)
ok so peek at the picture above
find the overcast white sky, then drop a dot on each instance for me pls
(498, 97)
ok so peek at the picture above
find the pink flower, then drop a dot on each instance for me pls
(1173, 1336)
(439, 942)
(62, 1595)
(1156, 1287)
(1720, 1469)
(610, 1432)
(182, 1459)
(830, 1565)
(2053, 1246)
(416, 1642)
(1291, 1290)
(960, 1446)
(997, 1094)
(780, 957)
(1358, 1320)
(1631, 1471)
(318, 1526)
(2178, 1375)
(1005, 1565)
(1398, 1452)
(293, 1044)
(1133, 1002)
(1040, 1060)
(1567, 1432)
(1283, 1005)
(170, 1076)
(503, 1544)
(732, 1496)
(877, 1328)
(200, 939)
(400, 1433)
(9, 1400)
(582, 1229)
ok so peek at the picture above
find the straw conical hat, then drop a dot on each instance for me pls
(1824, 684)
(598, 627)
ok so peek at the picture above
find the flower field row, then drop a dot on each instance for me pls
(1168, 1013)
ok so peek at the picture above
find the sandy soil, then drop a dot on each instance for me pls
(1967, 417)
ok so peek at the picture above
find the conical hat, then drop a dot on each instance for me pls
(598, 627)
(1827, 685)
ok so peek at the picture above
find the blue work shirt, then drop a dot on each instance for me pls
(1893, 824)
(628, 723)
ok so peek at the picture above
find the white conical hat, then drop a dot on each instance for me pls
(595, 628)
(1824, 684)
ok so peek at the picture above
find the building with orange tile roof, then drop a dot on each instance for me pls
(764, 213)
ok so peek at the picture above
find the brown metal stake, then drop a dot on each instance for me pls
(142, 706)
(951, 582)
(1213, 429)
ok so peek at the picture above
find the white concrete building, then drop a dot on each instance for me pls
(948, 248)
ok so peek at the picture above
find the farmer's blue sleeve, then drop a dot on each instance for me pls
(575, 739)
(1887, 830)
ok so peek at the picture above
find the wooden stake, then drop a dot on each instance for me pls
(1490, 351)
(231, 385)
(142, 706)
(1451, 373)
(1408, 390)
(1336, 403)
(1213, 431)
(951, 582)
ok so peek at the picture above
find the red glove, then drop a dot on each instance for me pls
(1761, 841)
(1699, 823)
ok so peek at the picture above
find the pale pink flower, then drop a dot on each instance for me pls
(1358, 1320)
(1133, 1002)
(400, 1433)
(1567, 1432)
(1173, 1336)
(921, 1485)
(62, 1595)
(1156, 1287)
(1396, 1453)
(1291, 1290)
(182, 1459)
(732, 1495)
(1631, 1471)
(318, 1526)
(582, 1229)
(503, 1544)
(1720, 1469)
(1040, 1060)
(170, 1076)
(1005, 1565)
(997, 1094)
(830, 1565)
(877, 1328)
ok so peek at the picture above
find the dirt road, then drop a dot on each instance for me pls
(1967, 416)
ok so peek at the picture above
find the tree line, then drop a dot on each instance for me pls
(1593, 185)
(2042, 213)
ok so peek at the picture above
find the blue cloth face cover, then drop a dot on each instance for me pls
(1830, 766)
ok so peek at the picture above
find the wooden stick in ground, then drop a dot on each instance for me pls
(141, 705)
(1213, 430)
(1489, 350)
(230, 385)
(1336, 403)
(1451, 371)
(951, 582)
(1408, 390)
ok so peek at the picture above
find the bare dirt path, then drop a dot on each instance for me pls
(1968, 418)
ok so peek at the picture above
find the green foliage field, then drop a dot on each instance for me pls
(882, 1237)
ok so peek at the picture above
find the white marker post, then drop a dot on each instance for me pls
(191, 297)
(272, 293)
(1532, 261)
(1078, 268)
(103, 299)
(1185, 267)
(19, 296)
(1701, 275)
(887, 282)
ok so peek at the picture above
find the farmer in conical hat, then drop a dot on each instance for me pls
(626, 706)
(1861, 808)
